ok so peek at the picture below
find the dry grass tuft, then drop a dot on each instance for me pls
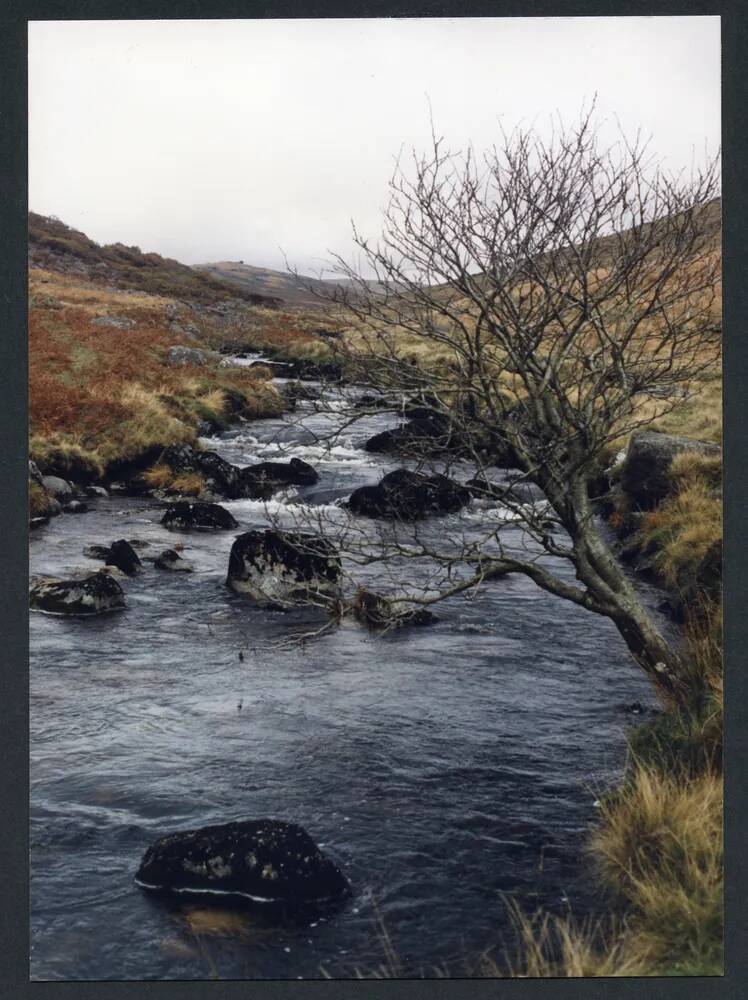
(684, 529)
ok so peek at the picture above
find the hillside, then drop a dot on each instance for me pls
(122, 349)
(294, 291)
(54, 246)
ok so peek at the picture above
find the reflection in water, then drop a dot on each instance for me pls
(439, 767)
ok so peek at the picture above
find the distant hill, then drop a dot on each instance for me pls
(54, 246)
(295, 291)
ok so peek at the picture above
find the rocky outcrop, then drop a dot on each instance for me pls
(185, 516)
(645, 470)
(378, 612)
(264, 860)
(91, 595)
(180, 355)
(284, 568)
(117, 322)
(408, 496)
(171, 560)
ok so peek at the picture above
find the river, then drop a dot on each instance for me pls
(440, 767)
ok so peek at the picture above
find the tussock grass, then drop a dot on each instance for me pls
(39, 501)
(161, 477)
(684, 529)
(101, 396)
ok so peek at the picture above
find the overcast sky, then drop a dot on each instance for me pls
(226, 140)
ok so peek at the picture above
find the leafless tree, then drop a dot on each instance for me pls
(537, 297)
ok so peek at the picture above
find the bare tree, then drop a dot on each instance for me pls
(536, 297)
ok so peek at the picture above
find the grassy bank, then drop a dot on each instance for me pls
(102, 395)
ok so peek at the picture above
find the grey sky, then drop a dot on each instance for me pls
(208, 140)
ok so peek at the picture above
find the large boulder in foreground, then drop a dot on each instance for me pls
(408, 496)
(263, 860)
(185, 516)
(645, 470)
(284, 568)
(92, 595)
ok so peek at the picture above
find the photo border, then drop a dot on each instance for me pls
(14, 740)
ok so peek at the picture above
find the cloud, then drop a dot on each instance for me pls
(207, 140)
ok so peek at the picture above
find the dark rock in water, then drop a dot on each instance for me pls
(220, 475)
(284, 568)
(424, 435)
(60, 489)
(409, 495)
(645, 470)
(293, 473)
(371, 402)
(180, 458)
(96, 491)
(119, 554)
(635, 708)
(183, 516)
(263, 860)
(96, 551)
(91, 595)
(295, 391)
(379, 612)
(75, 507)
(208, 428)
(122, 555)
(171, 560)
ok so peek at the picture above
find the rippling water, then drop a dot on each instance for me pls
(441, 768)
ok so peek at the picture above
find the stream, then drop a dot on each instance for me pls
(441, 768)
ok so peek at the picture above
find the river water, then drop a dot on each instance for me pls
(442, 768)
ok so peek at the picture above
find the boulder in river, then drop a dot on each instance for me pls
(293, 473)
(379, 612)
(424, 435)
(122, 555)
(263, 860)
(59, 488)
(171, 560)
(645, 470)
(284, 568)
(185, 516)
(91, 595)
(409, 495)
(75, 507)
